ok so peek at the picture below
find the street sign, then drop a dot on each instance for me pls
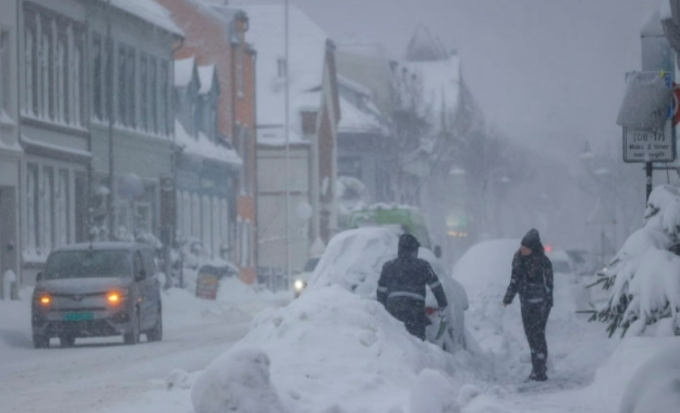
(649, 146)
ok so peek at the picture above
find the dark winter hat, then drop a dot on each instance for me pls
(532, 240)
(408, 244)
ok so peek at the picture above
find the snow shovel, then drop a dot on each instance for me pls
(442, 329)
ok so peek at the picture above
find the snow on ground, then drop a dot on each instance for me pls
(336, 351)
(103, 375)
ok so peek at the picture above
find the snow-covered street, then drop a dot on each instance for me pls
(588, 371)
(102, 374)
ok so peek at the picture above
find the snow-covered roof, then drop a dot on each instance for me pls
(150, 11)
(354, 120)
(307, 47)
(441, 82)
(206, 74)
(354, 86)
(184, 70)
(204, 147)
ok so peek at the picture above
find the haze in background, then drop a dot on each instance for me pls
(540, 69)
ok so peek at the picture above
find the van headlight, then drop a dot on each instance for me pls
(299, 285)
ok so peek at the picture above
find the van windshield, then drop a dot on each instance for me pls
(88, 264)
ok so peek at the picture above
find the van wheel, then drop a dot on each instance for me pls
(133, 336)
(40, 341)
(156, 333)
(67, 341)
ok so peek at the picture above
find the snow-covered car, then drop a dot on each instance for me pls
(354, 260)
(97, 290)
(569, 286)
(302, 279)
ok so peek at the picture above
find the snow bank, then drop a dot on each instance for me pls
(655, 387)
(334, 349)
(238, 381)
(433, 392)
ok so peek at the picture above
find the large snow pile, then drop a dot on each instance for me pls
(655, 387)
(354, 261)
(238, 382)
(331, 349)
(644, 276)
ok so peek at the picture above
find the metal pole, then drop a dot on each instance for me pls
(287, 137)
(109, 79)
(648, 179)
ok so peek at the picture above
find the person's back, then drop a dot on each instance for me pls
(401, 287)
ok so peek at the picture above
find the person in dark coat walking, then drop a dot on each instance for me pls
(532, 279)
(401, 287)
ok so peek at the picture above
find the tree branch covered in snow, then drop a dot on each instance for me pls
(644, 277)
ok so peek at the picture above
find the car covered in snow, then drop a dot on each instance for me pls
(301, 279)
(95, 290)
(569, 285)
(354, 260)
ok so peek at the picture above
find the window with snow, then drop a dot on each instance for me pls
(165, 98)
(143, 92)
(5, 65)
(46, 85)
(32, 204)
(61, 212)
(239, 70)
(206, 217)
(30, 68)
(153, 88)
(97, 76)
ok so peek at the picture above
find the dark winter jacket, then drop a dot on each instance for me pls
(532, 279)
(403, 279)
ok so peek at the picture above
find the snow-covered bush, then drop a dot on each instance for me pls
(644, 277)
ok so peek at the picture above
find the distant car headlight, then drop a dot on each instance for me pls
(299, 285)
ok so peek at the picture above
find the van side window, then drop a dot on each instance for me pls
(138, 263)
(149, 263)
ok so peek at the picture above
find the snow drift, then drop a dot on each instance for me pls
(655, 387)
(334, 348)
(238, 381)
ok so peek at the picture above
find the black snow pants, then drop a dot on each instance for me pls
(410, 312)
(535, 318)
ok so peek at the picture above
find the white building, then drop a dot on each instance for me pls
(313, 117)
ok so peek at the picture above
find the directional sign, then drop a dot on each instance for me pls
(649, 146)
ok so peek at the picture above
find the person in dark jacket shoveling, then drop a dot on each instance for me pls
(532, 279)
(401, 287)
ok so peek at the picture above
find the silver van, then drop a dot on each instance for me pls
(96, 290)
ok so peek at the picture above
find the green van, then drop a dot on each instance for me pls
(409, 219)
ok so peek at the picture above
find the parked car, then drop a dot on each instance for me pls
(95, 290)
(569, 285)
(302, 279)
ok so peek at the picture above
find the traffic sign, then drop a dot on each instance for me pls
(649, 146)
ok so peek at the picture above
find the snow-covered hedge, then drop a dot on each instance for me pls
(644, 277)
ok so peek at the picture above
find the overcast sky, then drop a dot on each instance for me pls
(542, 70)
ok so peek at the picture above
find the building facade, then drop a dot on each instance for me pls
(296, 209)
(10, 150)
(87, 75)
(216, 35)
